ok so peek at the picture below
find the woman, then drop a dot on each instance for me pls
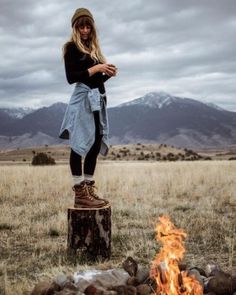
(85, 121)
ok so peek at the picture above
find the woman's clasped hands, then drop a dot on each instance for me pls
(108, 69)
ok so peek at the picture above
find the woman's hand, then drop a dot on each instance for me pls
(109, 69)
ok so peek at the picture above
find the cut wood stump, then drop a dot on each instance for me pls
(89, 232)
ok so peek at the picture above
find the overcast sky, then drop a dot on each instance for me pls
(186, 48)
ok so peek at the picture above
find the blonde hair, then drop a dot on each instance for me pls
(94, 49)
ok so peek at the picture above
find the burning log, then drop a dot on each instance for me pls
(89, 233)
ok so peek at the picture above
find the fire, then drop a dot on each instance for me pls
(165, 267)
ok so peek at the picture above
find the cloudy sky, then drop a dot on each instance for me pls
(186, 48)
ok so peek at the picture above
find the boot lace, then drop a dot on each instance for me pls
(85, 190)
(91, 189)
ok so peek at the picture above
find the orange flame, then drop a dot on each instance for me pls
(165, 267)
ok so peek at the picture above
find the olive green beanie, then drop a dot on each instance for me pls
(81, 12)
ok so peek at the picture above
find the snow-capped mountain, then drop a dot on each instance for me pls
(161, 117)
(152, 100)
(156, 117)
(162, 99)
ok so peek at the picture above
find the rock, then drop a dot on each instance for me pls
(63, 280)
(131, 266)
(92, 290)
(195, 274)
(210, 268)
(234, 284)
(200, 270)
(132, 281)
(205, 283)
(153, 284)
(70, 286)
(102, 279)
(60, 279)
(68, 292)
(143, 289)
(142, 274)
(232, 271)
(109, 292)
(221, 283)
(124, 290)
(45, 288)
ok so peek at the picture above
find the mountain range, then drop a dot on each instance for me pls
(157, 117)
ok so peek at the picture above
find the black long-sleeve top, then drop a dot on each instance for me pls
(76, 68)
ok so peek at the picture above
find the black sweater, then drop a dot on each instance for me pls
(76, 68)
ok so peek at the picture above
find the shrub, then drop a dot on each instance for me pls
(207, 158)
(53, 232)
(232, 158)
(171, 157)
(43, 159)
(140, 158)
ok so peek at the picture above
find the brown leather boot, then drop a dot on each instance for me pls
(91, 189)
(83, 199)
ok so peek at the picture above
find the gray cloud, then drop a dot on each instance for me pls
(185, 48)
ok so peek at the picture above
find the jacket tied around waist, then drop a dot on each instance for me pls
(78, 124)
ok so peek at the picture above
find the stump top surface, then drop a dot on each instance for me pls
(89, 209)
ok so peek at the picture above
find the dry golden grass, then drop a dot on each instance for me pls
(200, 197)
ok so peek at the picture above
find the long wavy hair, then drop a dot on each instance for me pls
(93, 47)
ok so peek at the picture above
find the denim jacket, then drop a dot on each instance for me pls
(78, 123)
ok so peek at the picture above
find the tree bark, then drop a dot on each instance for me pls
(89, 233)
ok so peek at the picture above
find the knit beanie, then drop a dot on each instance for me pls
(81, 12)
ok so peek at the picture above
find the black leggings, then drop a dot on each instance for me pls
(91, 157)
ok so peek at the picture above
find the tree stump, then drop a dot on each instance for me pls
(89, 233)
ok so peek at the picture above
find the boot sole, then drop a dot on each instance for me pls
(89, 207)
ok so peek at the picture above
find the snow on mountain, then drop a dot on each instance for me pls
(162, 99)
(152, 100)
(211, 104)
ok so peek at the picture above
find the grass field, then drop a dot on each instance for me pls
(200, 197)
